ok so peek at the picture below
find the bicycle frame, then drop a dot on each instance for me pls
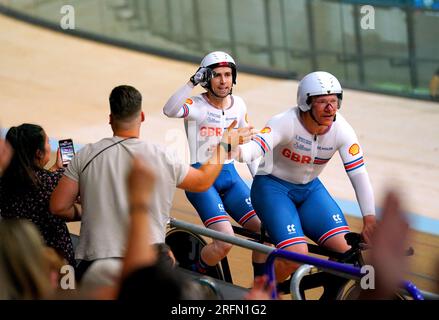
(337, 268)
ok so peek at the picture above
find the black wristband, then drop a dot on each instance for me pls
(227, 146)
(192, 80)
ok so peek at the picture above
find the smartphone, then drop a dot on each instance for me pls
(67, 151)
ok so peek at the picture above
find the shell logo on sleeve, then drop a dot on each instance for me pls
(189, 101)
(266, 130)
(354, 149)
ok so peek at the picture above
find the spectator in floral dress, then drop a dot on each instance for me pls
(25, 187)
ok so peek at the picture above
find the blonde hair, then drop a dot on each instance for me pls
(24, 269)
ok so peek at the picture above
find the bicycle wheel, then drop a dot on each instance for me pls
(352, 290)
(186, 247)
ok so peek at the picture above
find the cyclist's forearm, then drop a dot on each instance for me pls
(364, 193)
(174, 106)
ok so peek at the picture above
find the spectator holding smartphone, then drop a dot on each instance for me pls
(26, 186)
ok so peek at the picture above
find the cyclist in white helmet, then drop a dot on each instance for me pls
(287, 194)
(205, 117)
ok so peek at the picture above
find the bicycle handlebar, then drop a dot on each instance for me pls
(337, 268)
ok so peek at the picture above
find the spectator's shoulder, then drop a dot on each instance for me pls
(44, 173)
(49, 178)
(89, 148)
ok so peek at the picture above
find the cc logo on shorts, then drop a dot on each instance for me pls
(291, 228)
(337, 218)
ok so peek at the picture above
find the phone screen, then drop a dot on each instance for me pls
(67, 151)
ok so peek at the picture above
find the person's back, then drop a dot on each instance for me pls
(97, 174)
(104, 196)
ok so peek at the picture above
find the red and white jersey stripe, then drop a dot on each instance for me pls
(293, 154)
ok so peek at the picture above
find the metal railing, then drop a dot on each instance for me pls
(340, 269)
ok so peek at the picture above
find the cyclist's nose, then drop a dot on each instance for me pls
(331, 106)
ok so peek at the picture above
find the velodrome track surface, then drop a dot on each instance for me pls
(63, 83)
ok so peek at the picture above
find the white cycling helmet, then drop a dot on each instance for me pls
(316, 84)
(218, 59)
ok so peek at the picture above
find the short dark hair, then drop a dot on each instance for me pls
(125, 102)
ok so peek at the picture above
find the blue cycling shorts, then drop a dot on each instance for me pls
(289, 211)
(228, 195)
